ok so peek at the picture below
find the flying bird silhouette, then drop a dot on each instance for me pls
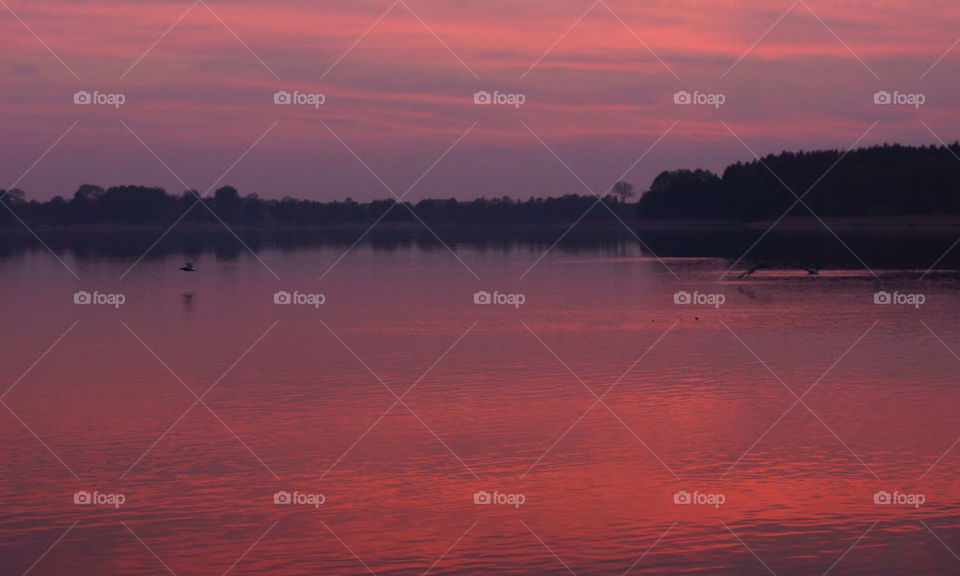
(752, 270)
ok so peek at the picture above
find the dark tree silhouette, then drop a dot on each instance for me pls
(876, 181)
(622, 190)
(882, 180)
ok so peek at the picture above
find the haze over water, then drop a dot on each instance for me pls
(502, 399)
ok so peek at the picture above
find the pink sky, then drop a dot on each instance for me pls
(200, 97)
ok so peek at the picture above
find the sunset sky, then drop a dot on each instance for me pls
(399, 80)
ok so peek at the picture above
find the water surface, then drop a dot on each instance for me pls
(597, 400)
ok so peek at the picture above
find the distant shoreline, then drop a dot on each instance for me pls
(918, 224)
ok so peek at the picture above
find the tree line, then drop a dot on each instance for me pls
(145, 206)
(886, 180)
(883, 180)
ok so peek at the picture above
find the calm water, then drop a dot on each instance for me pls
(499, 398)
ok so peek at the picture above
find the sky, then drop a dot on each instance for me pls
(587, 91)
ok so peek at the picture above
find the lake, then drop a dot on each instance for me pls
(401, 410)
